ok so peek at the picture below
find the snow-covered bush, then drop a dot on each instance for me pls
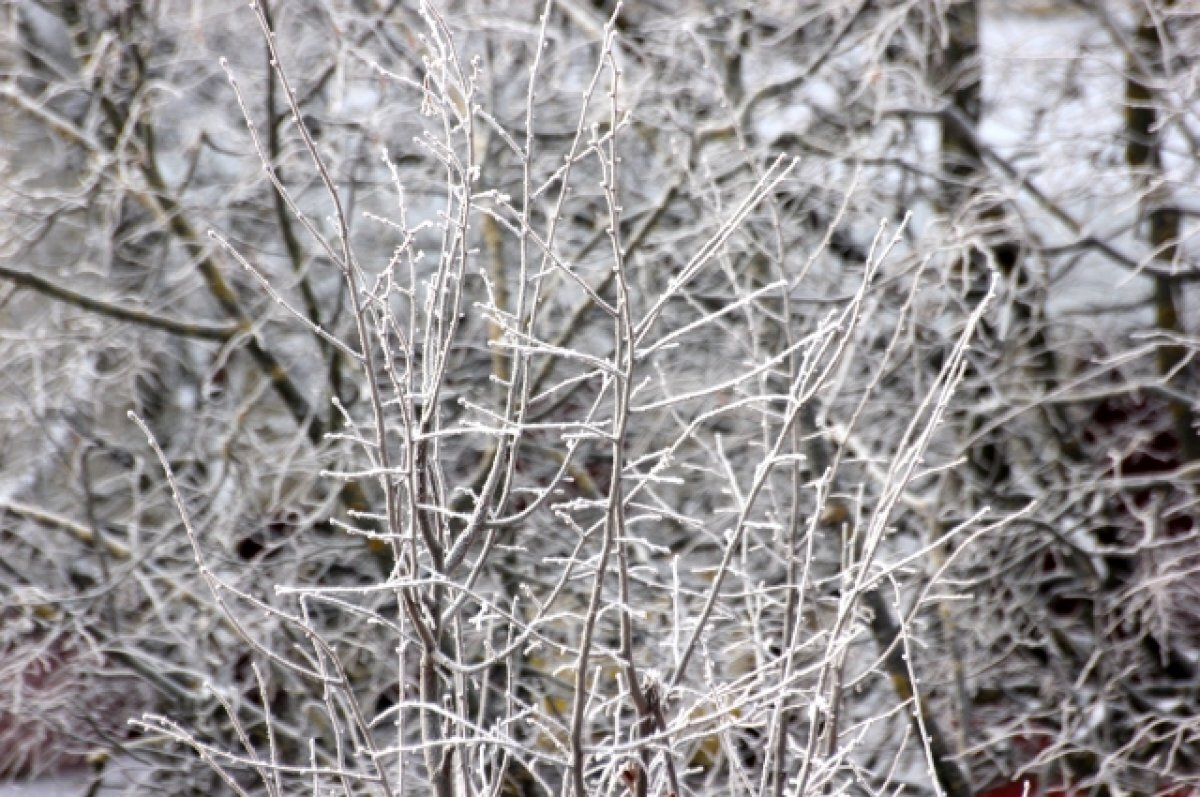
(488, 397)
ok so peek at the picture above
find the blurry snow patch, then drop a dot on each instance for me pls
(61, 786)
(121, 777)
(1053, 91)
(48, 37)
